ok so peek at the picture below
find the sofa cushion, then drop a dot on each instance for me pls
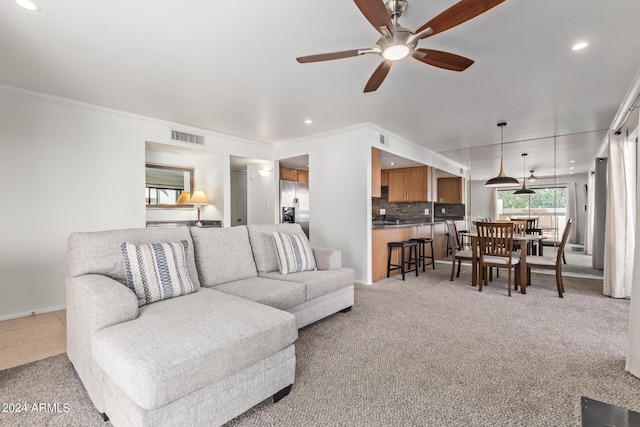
(317, 283)
(157, 271)
(263, 244)
(294, 253)
(275, 293)
(223, 254)
(99, 252)
(179, 345)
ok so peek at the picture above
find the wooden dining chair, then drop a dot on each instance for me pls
(532, 223)
(552, 263)
(496, 249)
(457, 253)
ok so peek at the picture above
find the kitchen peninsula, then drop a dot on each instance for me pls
(384, 232)
(407, 203)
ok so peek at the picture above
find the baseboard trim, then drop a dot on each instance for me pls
(32, 313)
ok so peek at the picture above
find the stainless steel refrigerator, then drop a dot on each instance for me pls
(294, 203)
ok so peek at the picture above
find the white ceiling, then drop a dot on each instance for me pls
(230, 67)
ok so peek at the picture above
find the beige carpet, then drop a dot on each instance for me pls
(425, 352)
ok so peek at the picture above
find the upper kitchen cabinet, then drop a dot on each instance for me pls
(384, 178)
(289, 174)
(376, 173)
(450, 190)
(303, 176)
(408, 184)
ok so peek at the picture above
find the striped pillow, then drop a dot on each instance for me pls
(294, 252)
(157, 271)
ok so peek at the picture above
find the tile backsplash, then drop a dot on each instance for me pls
(413, 211)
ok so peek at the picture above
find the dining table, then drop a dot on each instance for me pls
(525, 240)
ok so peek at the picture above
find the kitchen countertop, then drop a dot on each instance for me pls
(391, 224)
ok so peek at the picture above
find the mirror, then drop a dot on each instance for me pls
(164, 185)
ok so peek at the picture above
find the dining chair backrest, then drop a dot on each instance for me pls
(496, 239)
(453, 236)
(519, 226)
(563, 242)
(532, 223)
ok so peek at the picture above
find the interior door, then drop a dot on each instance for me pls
(239, 198)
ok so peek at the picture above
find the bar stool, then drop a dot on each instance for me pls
(404, 265)
(422, 241)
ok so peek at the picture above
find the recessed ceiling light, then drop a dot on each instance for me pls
(580, 46)
(572, 168)
(29, 5)
(308, 121)
(391, 163)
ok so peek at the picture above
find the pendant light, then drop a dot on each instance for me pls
(524, 191)
(532, 177)
(502, 180)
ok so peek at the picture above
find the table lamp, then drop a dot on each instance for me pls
(183, 199)
(199, 198)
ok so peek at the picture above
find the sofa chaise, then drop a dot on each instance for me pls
(205, 356)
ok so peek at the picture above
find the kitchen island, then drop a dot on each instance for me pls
(383, 232)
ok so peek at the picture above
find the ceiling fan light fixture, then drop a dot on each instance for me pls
(502, 180)
(395, 52)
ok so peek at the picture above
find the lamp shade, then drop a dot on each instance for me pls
(524, 191)
(199, 198)
(184, 198)
(502, 180)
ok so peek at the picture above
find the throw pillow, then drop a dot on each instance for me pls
(157, 271)
(294, 252)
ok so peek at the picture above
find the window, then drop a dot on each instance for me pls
(549, 205)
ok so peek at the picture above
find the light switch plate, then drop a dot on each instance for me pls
(443, 210)
(426, 211)
(383, 211)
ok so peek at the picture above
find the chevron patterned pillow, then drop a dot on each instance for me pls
(157, 271)
(294, 252)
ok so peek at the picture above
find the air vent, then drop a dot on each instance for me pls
(187, 137)
(382, 139)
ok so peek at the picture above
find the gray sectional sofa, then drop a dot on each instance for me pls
(202, 358)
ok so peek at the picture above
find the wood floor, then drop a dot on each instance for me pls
(32, 338)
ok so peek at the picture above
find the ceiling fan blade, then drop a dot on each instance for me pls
(378, 76)
(330, 56)
(446, 60)
(457, 14)
(376, 13)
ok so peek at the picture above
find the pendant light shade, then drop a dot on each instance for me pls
(532, 177)
(502, 180)
(524, 191)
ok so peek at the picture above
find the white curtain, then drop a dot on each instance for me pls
(620, 230)
(633, 351)
(572, 209)
(493, 211)
(591, 199)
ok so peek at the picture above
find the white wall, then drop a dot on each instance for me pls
(67, 166)
(62, 169)
(339, 193)
(262, 193)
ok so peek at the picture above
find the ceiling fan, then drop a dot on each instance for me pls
(397, 42)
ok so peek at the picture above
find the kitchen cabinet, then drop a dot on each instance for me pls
(408, 184)
(376, 173)
(303, 176)
(450, 190)
(381, 236)
(384, 178)
(298, 175)
(288, 174)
